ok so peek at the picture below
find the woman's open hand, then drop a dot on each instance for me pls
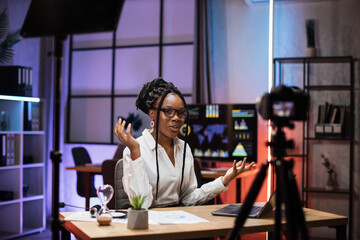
(126, 138)
(237, 168)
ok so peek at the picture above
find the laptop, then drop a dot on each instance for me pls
(232, 210)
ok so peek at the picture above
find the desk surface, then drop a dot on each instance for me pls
(217, 226)
(94, 168)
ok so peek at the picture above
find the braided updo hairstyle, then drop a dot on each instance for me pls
(151, 92)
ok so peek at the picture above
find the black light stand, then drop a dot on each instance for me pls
(286, 191)
(60, 18)
(55, 154)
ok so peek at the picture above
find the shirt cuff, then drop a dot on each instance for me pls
(218, 182)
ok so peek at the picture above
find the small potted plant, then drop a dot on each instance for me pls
(137, 216)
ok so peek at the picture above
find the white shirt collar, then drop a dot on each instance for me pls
(151, 141)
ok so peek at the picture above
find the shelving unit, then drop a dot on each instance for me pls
(328, 79)
(25, 175)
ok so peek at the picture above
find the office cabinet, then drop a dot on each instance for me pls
(328, 81)
(22, 168)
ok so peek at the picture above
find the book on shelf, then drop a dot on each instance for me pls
(31, 116)
(334, 113)
(3, 150)
(12, 149)
(16, 81)
(35, 116)
(330, 113)
(7, 149)
(331, 120)
(342, 114)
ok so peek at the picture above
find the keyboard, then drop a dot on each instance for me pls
(255, 210)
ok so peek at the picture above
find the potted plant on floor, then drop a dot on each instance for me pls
(137, 216)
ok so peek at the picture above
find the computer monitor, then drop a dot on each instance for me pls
(222, 132)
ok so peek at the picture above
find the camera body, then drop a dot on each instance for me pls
(284, 104)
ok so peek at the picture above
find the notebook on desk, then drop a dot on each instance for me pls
(232, 210)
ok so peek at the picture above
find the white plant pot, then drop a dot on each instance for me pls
(138, 219)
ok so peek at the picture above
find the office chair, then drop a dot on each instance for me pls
(81, 157)
(197, 170)
(121, 198)
(119, 151)
(108, 173)
(201, 180)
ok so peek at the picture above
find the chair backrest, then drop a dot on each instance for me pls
(119, 151)
(197, 169)
(81, 157)
(108, 173)
(121, 198)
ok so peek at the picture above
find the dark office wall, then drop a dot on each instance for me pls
(335, 35)
(241, 35)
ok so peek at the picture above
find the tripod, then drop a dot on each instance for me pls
(286, 191)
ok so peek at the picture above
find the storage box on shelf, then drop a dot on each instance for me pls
(330, 125)
(22, 168)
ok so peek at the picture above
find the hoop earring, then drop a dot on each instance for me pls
(152, 124)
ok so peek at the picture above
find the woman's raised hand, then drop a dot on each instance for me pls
(237, 168)
(126, 138)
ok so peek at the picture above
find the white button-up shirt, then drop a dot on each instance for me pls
(140, 176)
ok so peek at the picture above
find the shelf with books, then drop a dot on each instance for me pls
(329, 127)
(10, 148)
(16, 80)
(22, 166)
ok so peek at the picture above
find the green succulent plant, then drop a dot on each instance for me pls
(137, 201)
(7, 39)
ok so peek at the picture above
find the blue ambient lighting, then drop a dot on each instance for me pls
(19, 98)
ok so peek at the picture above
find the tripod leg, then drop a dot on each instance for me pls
(249, 201)
(295, 220)
(279, 197)
(292, 230)
(296, 204)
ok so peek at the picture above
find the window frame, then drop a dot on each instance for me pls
(112, 96)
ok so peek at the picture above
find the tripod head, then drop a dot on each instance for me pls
(278, 143)
(282, 106)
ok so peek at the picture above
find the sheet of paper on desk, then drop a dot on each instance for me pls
(174, 217)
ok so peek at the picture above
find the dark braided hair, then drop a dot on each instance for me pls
(151, 92)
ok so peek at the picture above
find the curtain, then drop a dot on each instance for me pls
(202, 76)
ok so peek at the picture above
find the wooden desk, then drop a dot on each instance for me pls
(217, 226)
(93, 169)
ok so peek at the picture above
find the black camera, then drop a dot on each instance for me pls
(284, 104)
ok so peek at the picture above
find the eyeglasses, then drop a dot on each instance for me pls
(170, 112)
